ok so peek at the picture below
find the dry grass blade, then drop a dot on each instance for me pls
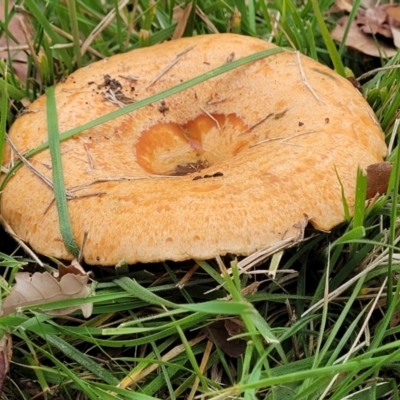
(135, 376)
(20, 242)
(108, 19)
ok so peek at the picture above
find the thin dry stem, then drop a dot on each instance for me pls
(169, 66)
(46, 180)
(110, 17)
(203, 365)
(211, 116)
(373, 72)
(89, 156)
(383, 258)
(304, 79)
(119, 179)
(354, 346)
(26, 248)
(136, 376)
(206, 20)
(256, 124)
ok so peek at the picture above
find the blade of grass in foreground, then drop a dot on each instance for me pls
(330, 45)
(393, 223)
(60, 194)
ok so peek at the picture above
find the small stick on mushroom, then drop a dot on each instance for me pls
(46, 180)
(256, 124)
(169, 66)
(304, 79)
(89, 155)
(26, 248)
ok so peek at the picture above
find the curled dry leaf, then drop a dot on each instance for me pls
(44, 287)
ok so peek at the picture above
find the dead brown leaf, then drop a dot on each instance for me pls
(374, 21)
(361, 41)
(220, 331)
(45, 288)
(378, 178)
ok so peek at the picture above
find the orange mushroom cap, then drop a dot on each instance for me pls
(228, 166)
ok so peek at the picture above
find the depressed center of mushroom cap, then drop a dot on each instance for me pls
(178, 149)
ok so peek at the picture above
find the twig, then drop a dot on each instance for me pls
(101, 26)
(260, 255)
(46, 180)
(119, 179)
(304, 79)
(350, 282)
(11, 232)
(89, 156)
(211, 116)
(169, 66)
(283, 139)
(256, 124)
(80, 255)
(375, 71)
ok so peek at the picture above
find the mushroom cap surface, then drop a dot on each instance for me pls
(259, 148)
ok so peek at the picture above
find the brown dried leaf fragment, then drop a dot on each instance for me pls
(378, 176)
(45, 288)
(374, 21)
(360, 41)
(219, 333)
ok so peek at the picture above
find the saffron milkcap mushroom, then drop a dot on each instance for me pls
(231, 165)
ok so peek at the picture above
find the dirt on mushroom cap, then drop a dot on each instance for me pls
(272, 137)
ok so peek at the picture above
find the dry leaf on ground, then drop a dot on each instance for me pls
(375, 30)
(45, 288)
(360, 41)
(378, 176)
(220, 332)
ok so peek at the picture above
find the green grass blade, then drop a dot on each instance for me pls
(393, 220)
(75, 31)
(60, 194)
(361, 192)
(82, 359)
(329, 43)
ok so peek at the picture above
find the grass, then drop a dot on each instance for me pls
(325, 327)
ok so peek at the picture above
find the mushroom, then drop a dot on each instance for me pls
(231, 165)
